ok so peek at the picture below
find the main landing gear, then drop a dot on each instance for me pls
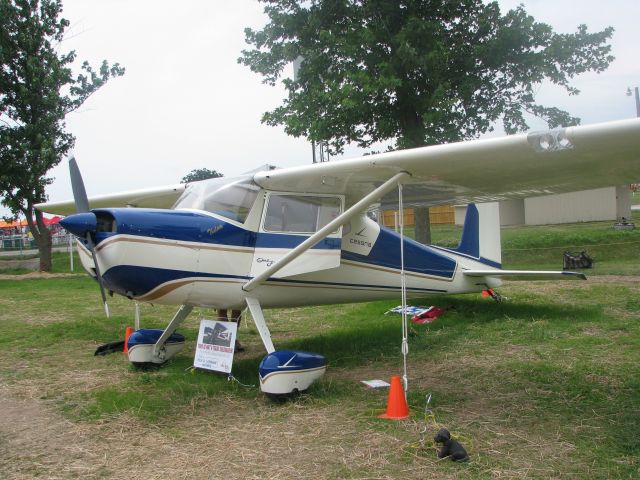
(149, 347)
(282, 373)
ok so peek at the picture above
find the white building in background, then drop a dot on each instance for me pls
(609, 203)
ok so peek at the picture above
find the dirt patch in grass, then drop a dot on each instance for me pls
(630, 279)
(14, 313)
(40, 275)
(256, 440)
(543, 286)
(231, 439)
(251, 438)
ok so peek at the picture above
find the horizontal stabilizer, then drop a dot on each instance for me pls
(526, 274)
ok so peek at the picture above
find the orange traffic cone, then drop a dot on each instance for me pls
(127, 332)
(397, 408)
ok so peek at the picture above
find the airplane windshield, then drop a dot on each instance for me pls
(230, 199)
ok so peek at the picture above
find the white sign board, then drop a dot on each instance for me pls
(215, 346)
(376, 383)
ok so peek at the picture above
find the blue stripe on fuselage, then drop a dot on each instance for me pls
(486, 261)
(189, 226)
(132, 280)
(135, 281)
(418, 258)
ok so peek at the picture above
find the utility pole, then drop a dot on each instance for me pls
(323, 147)
(637, 99)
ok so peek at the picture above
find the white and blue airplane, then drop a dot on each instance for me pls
(301, 236)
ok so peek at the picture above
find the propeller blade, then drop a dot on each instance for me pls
(77, 185)
(92, 249)
(82, 206)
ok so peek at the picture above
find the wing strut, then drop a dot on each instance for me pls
(258, 318)
(336, 223)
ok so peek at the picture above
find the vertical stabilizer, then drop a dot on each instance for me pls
(481, 234)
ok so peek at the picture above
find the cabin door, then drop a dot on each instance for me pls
(288, 219)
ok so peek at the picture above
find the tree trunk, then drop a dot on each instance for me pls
(422, 225)
(42, 236)
(44, 248)
(413, 136)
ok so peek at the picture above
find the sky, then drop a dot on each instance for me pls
(185, 103)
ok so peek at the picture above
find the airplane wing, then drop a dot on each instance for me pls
(160, 197)
(518, 166)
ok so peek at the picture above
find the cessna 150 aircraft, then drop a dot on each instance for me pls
(301, 236)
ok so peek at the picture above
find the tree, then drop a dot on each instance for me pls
(200, 174)
(415, 72)
(37, 91)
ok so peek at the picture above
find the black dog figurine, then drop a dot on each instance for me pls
(450, 448)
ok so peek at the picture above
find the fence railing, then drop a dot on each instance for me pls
(442, 215)
(22, 242)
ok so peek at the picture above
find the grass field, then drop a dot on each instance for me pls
(545, 385)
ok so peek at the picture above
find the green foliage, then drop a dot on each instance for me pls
(200, 174)
(418, 72)
(37, 90)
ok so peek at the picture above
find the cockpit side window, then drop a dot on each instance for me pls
(232, 200)
(300, 213)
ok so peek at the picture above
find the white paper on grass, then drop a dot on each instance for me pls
(376, 383)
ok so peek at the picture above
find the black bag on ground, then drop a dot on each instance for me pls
(571, 261)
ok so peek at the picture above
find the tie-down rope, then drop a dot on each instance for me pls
(403, 288)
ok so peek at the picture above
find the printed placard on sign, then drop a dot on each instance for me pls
(215, 346)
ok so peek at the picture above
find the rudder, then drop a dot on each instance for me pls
(481, 234)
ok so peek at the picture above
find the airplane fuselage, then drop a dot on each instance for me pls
(202, 259)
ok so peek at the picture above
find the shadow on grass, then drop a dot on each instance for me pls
(365, 336)
(369, 336)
